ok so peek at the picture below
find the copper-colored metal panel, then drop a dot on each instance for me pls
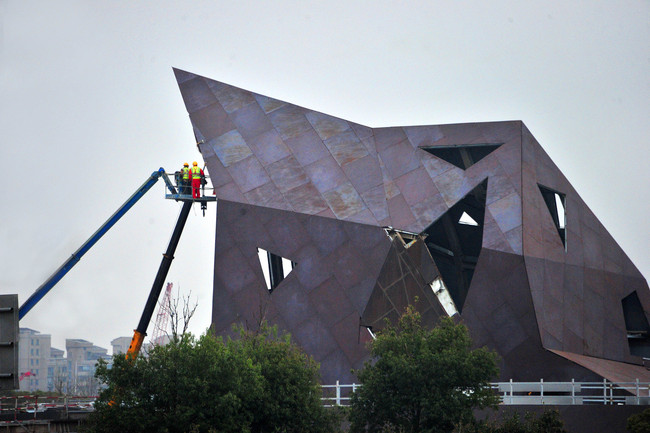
(251, 121)
(327, 126)
(364, 173)
(345, 147)
(326, 174)
(196, 94)
(400, 158)
(212, 121)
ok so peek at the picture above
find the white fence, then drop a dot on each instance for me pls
(535, 393)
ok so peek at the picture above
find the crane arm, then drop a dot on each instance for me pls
(76, 256)
(140, 332)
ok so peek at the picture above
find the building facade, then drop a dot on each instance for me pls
(48, 369)
(326, 227)
(82, 359)
(120, 344)
(57, 372)
(33, 357)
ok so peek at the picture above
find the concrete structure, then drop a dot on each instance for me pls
(351, 223)
(82, 358)
(120, 344)
(33, 357)
(57, 372)
(45, 368)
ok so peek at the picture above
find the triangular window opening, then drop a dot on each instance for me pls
(556, 204)
(455, 247)
(275, 268)
(636, 324)
(462, 156)
(444, 297)
(467, 220)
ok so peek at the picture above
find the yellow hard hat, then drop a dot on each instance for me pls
(194, 163)
(186, 165)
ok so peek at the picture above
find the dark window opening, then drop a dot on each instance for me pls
(556, 204)
(275, 268)
(462, 156)
(455, 245)
(636, 324)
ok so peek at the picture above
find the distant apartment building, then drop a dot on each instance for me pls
(57, 372)
(82, 358)
(33, 357)
(121, 344)
(45, 368)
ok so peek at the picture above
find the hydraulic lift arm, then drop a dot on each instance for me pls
(140, 332)
(76, 256)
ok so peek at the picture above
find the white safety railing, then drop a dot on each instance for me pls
(12, 406)
(207, 190)
(534, 393)
(338, 394)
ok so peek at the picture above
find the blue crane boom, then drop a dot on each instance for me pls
(76, 256)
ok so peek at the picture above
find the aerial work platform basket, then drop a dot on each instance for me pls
(175, 190)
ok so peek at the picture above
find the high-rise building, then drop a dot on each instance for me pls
(33, 356)
(82, 359)
(121, 344)
(45, 368)
(57, 371)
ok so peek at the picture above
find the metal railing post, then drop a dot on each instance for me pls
(638, 400)
(573, 391)
(604, 391)
(510, 390)
(541, 390)
(338, 394)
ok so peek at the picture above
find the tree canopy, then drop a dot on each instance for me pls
(547, 422)
(259, 382)
(422, 380)
(639, 422)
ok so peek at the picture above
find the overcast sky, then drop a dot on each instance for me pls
(89, 107)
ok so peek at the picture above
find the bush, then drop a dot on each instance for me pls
(639, 422)
(422, 380)
(548, 422)
(259, 382)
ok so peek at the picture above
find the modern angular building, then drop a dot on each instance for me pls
(327, 227)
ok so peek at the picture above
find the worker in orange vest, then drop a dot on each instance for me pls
(197, 175)
(185, 179)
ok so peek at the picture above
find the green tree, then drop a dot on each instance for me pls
(290, 400)
(259, 382)
(422, 380)
(639, 422)
(548, 422)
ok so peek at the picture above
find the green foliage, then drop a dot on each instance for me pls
(422, 380)
(259, 382)
(639, 422)
(548, 422)
(291, 392)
